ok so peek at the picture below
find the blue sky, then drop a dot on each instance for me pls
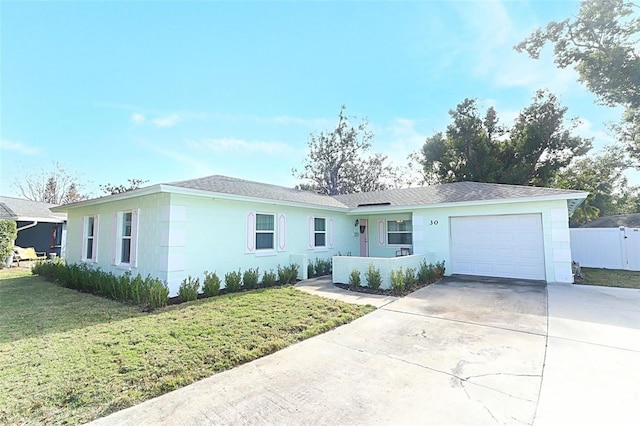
(166, 91)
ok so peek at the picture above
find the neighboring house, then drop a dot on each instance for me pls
(221, 224)
(38, 226)
(631, 220)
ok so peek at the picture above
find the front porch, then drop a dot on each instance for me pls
(343, 265)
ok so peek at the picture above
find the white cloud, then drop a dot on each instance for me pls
(601, 136)
(8, 145)
(167, 121)
(137, 118)
(220, 145)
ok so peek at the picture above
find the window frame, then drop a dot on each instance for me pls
(122, 237)
(316, 232)
(93, 220)
(405, 232)
(257, 232)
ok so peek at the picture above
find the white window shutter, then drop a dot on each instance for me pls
(135, 215)
(312, 238)
(282, 232)
(251, 232)
(381, 233)
(330, 232)
(115, 236)
(96, 227)
(83, 238)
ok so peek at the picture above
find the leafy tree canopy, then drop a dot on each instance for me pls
(603, 44)
(339, 161)
(477, 148)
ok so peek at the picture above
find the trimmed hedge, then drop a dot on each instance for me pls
(149, 292)
(8, 234)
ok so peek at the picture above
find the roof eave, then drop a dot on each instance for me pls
(236, 197)
(401, 209)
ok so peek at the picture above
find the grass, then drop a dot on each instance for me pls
(69, 357)
(610, 278)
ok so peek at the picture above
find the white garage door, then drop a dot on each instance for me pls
(498, 246)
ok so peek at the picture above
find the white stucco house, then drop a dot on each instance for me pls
(221, 224)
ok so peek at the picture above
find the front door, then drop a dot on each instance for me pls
(364, 238)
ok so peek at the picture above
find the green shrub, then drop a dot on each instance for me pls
(354, 279)
(440, 269)
(8, 234)
(250, 278)
(410, 279)
(211, 284)
(310, 270)
(288, 274)
(426, 273)
(397, 281)
(233, 281)
(189, 288)
(269, 278)
(322, 266)
(373, 277)
(149, 293)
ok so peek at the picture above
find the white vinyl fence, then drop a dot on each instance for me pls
(611, 248)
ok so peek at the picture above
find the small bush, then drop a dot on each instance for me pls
(373, 277)
(426, 272)
(211, 284)
(322, 266)
(149, 293)
(397, 281)
(410, 279)
(269, 278)
(189, 288)
(440, 269)
(233, 281)
(354, 279)
(310, 270)
(250, 278)
(288, 274)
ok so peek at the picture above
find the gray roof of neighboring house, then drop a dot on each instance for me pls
(457, 192)
(229, 185)
(629, 220)
(27, 210)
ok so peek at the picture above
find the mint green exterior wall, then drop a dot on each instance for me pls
(377, 229)
(151, 254)
(431, 232)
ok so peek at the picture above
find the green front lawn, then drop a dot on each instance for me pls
(72, 357)
(610, 278)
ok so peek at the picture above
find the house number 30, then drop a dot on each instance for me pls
(434, 222)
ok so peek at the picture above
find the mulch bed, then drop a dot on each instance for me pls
(382, 292)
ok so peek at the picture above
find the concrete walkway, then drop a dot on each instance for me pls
(461, 351)
(322, 286)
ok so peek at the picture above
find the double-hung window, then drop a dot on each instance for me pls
(399, 232)
(320, 232)
(90, 236)
(265, 231)
(125, 247)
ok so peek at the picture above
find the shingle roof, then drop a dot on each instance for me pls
(457, 192)
(629, 220)
(19, 209)
(229, 185)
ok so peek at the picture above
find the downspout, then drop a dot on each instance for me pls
(31, 225)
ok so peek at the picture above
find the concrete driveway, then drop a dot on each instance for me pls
(463, 351)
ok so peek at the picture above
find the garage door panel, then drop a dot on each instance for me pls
(504, 246)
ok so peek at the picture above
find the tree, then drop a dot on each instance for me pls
(479, 149)
(602, 45)
(603, 177)
(8, 235)
(339, 161)
(119, 189)
(55, 186)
